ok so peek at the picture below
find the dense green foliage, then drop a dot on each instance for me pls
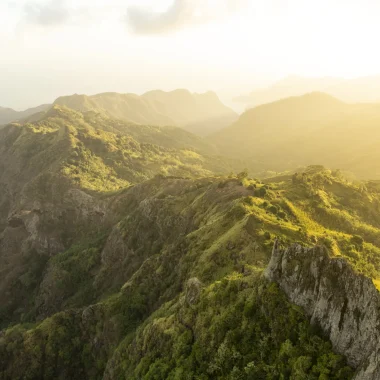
(226, 226)
(102, 154)
(124, 259)
(236, 328)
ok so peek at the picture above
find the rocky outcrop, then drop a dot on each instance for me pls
(193, 291)
(345, 304)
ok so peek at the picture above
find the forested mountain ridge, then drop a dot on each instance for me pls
(115, 275)
(57, 169)
(190, 250)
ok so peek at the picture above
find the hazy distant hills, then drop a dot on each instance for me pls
(201, 114)
(310, 129)
(8, 114)
(198, 113)
(128, 107)
(365, 89)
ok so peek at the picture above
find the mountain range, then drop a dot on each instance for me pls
(138, 251)
(198, 113)
(366, 89)
(315, 128)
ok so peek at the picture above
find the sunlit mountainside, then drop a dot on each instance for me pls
(201, 114)
(133, 251)
(197, 113)
(315, 128)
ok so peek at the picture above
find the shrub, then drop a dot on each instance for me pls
(267, 235)
(357, 240)
(261, 192)
(273, 209)
(242, 175)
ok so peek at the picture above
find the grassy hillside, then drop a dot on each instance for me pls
(311, 129)
(58, 169)
(100, 153)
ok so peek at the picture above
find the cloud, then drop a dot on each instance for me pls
(180, 14)
(144, 21)
(55, 12)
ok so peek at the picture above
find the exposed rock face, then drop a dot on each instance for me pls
(193, 290)
(346, 305)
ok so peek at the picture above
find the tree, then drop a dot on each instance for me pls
(242, 175)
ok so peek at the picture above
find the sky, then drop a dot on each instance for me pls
(50, 48)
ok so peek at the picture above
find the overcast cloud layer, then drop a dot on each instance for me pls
(140, 19)
(180, 14)
(51, 13)
(143, 21)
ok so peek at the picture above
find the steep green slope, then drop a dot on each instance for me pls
(238, 328)
(54, 174)
(185, 257)
(300, 131)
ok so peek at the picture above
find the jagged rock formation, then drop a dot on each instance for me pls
(345, 304)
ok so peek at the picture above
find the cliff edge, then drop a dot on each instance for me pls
(345, 304)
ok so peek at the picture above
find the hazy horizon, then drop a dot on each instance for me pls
(52, 48)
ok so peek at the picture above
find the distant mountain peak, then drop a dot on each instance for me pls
(198, 113)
